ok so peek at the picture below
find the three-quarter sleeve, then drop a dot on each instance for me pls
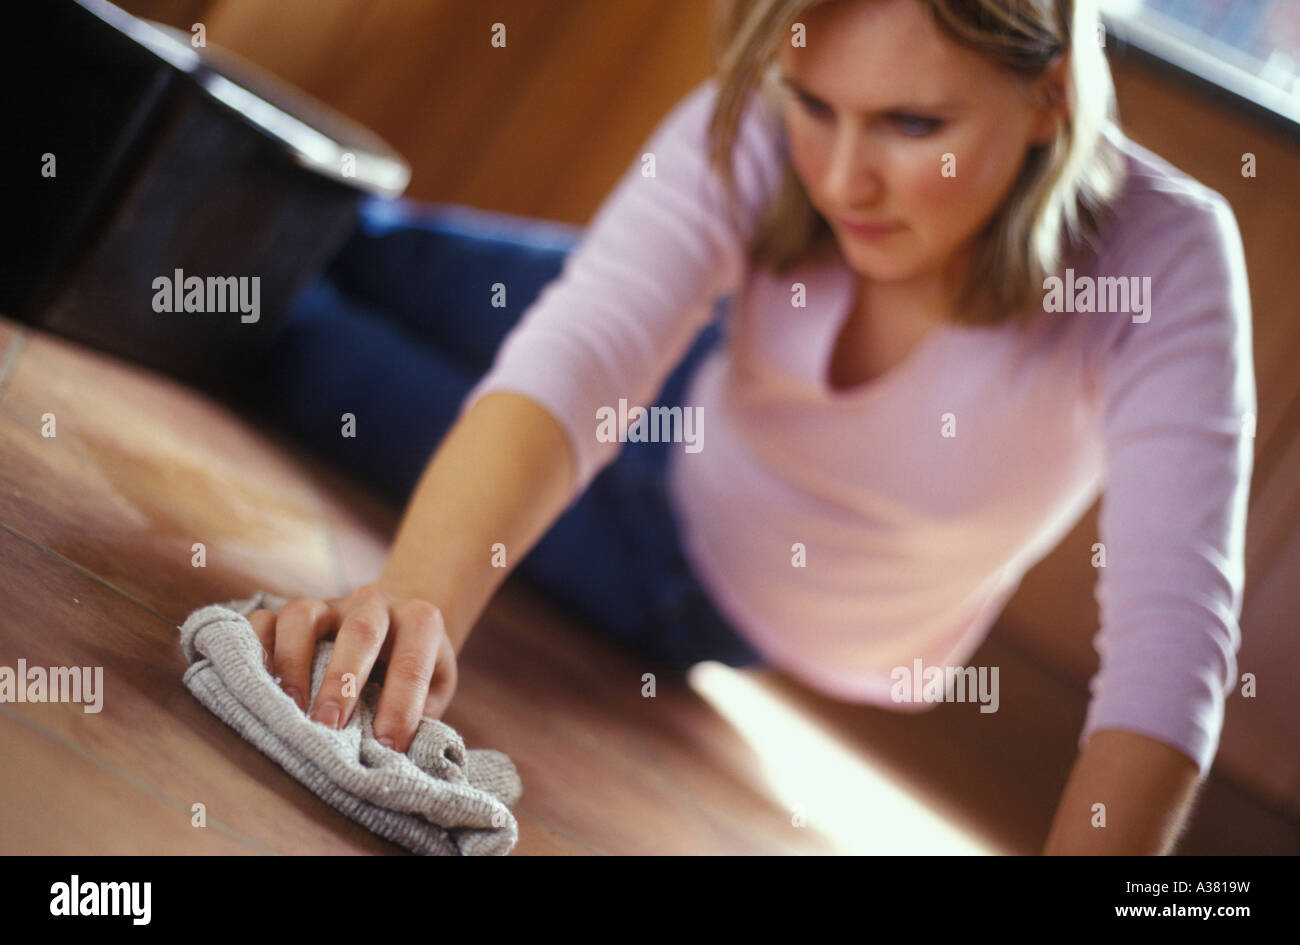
(643, 280)
(1177, 401)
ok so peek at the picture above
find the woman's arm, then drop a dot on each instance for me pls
(503, 473)
(1175, 393)
(634, 293)
(1174, 396)
(1147, 788)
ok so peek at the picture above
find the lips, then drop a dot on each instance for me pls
(868, 228)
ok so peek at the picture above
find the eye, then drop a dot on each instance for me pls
(917, 126)
(813, 107)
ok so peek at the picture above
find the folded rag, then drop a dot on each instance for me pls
(438, 798)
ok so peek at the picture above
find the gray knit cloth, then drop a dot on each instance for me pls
(438, 798)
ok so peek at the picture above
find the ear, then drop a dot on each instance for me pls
(1051, 100)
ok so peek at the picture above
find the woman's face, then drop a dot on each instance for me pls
(892, 124)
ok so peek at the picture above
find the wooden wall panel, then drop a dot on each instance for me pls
(542, 127)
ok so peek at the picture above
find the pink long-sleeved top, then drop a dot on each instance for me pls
(920, 498)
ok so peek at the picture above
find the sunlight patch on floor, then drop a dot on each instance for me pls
(826, 784)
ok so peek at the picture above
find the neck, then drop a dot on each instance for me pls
(927, 297)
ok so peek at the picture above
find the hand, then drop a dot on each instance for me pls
(369, 625)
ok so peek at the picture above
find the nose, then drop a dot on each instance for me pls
(852, 177)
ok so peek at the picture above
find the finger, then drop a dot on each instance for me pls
(297, 628)
(356, 646)
(417, 629)
(263, 622)
(443, 686)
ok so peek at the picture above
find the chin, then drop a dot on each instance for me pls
(881, 266)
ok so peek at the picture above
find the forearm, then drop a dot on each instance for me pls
(503, 473)
(1147, 788)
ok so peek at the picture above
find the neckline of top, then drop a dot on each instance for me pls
(843, 298)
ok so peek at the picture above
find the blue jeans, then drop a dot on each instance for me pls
(398, 328)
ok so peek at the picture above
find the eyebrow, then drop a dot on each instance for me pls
(794, 86)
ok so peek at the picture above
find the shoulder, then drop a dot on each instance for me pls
(1178, 241)
(758, 151)
(1189, 344)
(1161, 214)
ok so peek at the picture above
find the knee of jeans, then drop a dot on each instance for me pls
(473, 228)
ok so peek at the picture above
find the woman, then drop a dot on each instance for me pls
(963, 301)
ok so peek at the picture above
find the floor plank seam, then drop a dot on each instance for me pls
(131, 779)
(91, 575)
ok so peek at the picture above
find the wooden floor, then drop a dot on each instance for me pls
(98, 526)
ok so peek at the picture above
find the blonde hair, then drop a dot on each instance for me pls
(1056, 204)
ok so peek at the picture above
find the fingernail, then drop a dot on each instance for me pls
(327, 714)
(385, 741)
